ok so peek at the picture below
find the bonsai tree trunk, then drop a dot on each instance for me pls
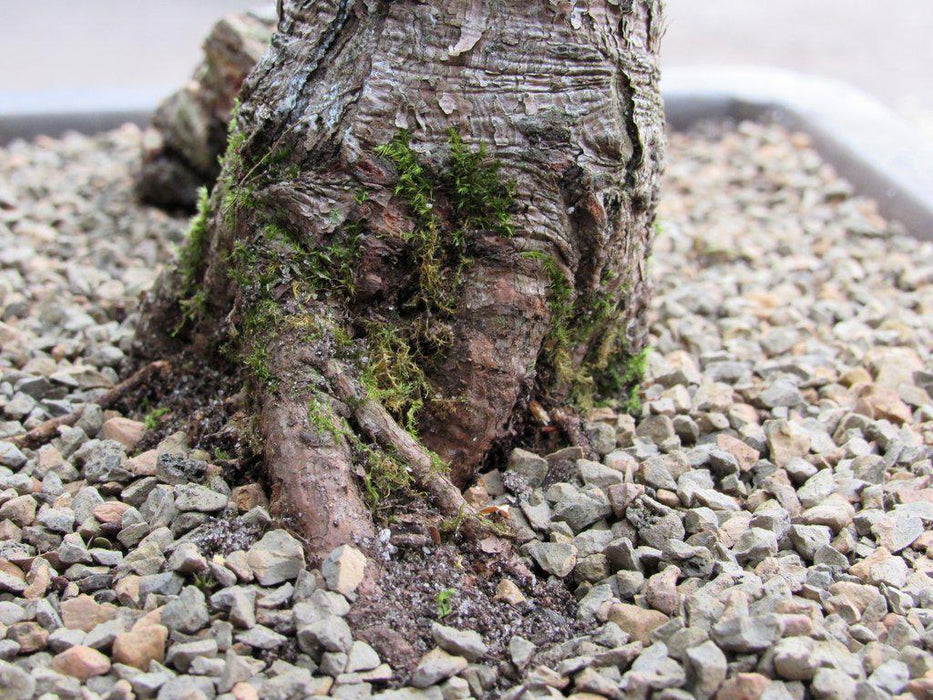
(431, 217)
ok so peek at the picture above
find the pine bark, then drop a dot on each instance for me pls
(540, 306)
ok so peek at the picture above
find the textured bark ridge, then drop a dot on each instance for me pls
(189, 128)
(358, 231)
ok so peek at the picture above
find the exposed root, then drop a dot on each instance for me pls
(49, 429)
(311, 470)
(375, 421)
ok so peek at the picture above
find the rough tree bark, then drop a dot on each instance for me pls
(430, 217)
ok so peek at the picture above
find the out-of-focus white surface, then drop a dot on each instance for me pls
(885, 49)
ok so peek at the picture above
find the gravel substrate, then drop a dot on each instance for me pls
(759, 530)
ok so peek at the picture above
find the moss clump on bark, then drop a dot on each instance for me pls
(470, 194)
(609, 373)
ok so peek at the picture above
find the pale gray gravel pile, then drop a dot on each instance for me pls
(760, 530)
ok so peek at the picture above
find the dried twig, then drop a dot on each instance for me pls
(49, 429)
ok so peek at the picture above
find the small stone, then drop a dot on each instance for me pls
(807, 539)
(507, 590)
(63, 638)
(11, 456)
(244, 691)
(186, 688)
(557, 558)
(84, 613)
(188, 612)
(73, 550)
(435, 666)
(466, 643)
(835, 512)
(277, 557)
(785, 441)
(81, 662)
(12, 578)
(521, 650)
(658, 430)
(328, 632)
(29, 636)
(754, 545)
(15, 683)
(248, 496)
(897, 531)
(621, 496)
(891, 676)
(20, 510)
(237, 669)
(175, 468)
(706, 667)
(602, 436)
(260, 637)
(57, 519)
(529, 465)
(187, 559)
(580, 509)
(746, 456)
(140, 647)
(653, 473)
(599, 475)
(361, 657)
(832, 684)
(123, 430)
(661, 591)
(181, 655)
(794, 659)
(199, 499)
(744, 686)
(344, 569)
(743, 633)
(104, 461)
(110, 512)
(38, 580)
(637, 622)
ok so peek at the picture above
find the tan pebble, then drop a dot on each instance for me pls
(81, 662)
(143, 464)
(38, 579)
(637, 622)
(139, 647)
(125, 431)
(84, 613)
(153, 617)
(744, 686)
(127, 590)
(507, 590)
(110, 512)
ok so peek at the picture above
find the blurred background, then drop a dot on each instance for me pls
(113, 46)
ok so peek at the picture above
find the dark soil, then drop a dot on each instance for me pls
(396, 620)
(202, 398)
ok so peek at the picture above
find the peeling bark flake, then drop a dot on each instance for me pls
(447, 104)
(471, 31)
